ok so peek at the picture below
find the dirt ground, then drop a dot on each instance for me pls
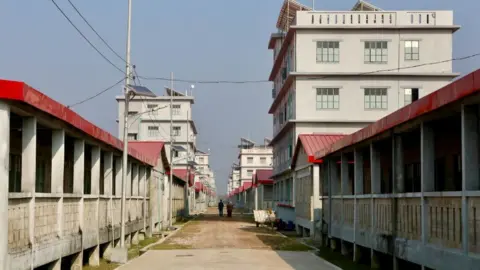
(209, 231)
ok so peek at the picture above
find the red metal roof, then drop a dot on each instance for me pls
(199, 186)
(264, 176)
(468, 85)
(184, 175)
(312, 143)
(20, 91)
(153, 149)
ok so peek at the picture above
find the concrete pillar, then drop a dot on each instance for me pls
(374, 260)
(358, 190)
(56, 265)
(58, 160)
(4, 174)
(256, 196)
(29, 159)
(108, 172)
(316, 202)
(94, 256)
(77, 261)
(29, 154)
(427, 156)
(358, 173)
(398, 164)
(135, 185)
(357, 253)
(470, 161)
(129, 179)
(78, 179)
(345, 189)
(96, 170)
(58, 165)
(118, 176)
(78, 167)
(375, 169)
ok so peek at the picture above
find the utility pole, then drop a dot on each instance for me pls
(125, 129)
(171, 151)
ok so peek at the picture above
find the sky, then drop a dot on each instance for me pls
(197, 40)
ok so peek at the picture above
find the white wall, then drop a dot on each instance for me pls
(351, 96)
(435, 45)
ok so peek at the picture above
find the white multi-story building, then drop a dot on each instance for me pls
(252, 157)
(150, 121)
(204, 181)
(338, 71)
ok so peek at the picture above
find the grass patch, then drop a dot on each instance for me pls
(133, 252)
(104, 265)
(182, 220)
(278, 242)
(339, 260)
(164, 246)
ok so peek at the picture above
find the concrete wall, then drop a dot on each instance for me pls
(41, 228)
(434, 45)
(352, 96)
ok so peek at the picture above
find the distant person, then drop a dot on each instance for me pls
(220, 208)
(229, 209)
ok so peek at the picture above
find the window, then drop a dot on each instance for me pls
(132, 113)
(152, 108)
(328, 51)
(410, 95)
(328, 98)
(249, 173)
(412, 50)
(153, 131)
(176, 109)
(249, 160)
(132, 136)
(263, 160)
(376, 52)
(201, 159)
(175, 153)
(176, 131)
(375, 98)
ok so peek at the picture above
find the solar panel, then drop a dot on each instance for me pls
(141, 90)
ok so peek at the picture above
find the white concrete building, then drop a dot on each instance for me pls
(150, 121)
(252, 157)
(204, 182)
(337, 71)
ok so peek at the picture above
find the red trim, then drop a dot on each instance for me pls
(19, 91)
(283, 92)
(285, 205)
(281, 54)
(265, 182)
(455, 91)
(311, 159)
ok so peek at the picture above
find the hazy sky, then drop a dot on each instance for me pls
(199, 40)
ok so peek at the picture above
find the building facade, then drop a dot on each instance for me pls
(149, 120)
(338, 71)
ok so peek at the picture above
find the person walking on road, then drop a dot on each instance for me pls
(220, 208)
(229, 209)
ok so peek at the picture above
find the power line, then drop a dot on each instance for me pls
(86, 39)
(265, 81)
(203, 82)
(98, 35)
(96, 95)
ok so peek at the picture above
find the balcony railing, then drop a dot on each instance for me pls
(374, 18)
